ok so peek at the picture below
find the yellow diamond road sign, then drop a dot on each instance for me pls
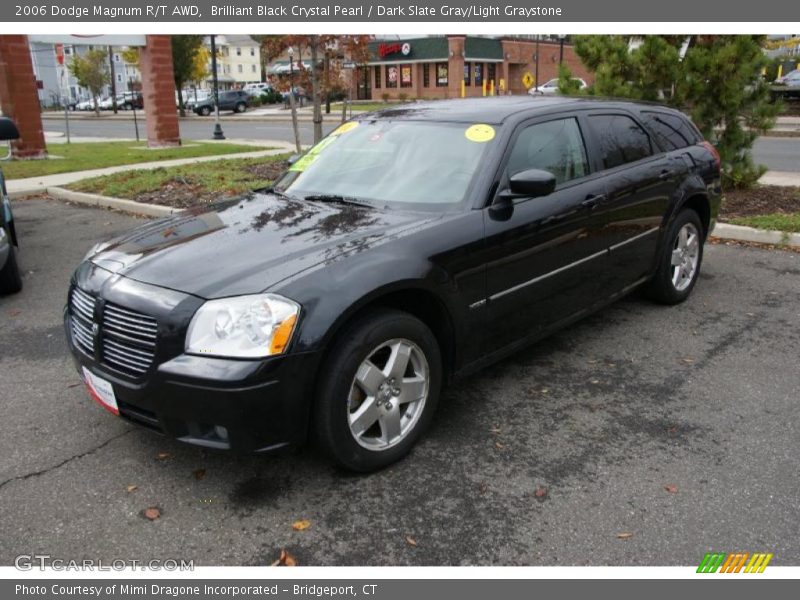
(527, 80)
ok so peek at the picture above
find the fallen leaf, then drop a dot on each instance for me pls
(301, 525)
(751, 314)
(74, 385)
(540, 492)
(131, 488)
(672, 429)
(672, 489)
(163, 455)
(483, 488)
(624, 536)
(285, 560)
(688, 360)
(595, 381)
(152, 513)
(612, 364)
(592, 362)
(499, 446)
(495, 430)
(411, 541)
(199, 474)
(14, 312)
(545, 390)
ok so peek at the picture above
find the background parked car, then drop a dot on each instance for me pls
(791, 78)
(85, 105)
(551, 87)
(235, 100)
(10, 279)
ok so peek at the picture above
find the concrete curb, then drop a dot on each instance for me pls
(740, 233)
(129, 206)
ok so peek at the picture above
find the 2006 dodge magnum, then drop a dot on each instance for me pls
(408, 247)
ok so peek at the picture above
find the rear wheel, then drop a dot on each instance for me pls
(10, 278)
(205, 111)
(679, 265)
(378, 391)
(241, 107)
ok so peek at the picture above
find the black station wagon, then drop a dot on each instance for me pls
(409, 247)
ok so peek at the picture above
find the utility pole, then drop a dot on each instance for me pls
(316, 91)
(218, 135)
(561, 49)
(290, 52)
(113, 79)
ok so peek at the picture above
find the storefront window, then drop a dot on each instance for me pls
(426, 75)
(441, 75)
(391, 76)
(478, 74)
(467, 72)
(377, 77)
(491, 72)
(405, 76)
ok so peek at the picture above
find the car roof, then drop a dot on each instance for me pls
(498, 109)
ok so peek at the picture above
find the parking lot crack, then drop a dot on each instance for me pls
(65, 461)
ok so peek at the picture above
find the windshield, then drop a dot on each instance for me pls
(419, 165)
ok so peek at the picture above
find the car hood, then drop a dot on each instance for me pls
(247, 245)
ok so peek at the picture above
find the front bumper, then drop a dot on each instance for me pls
(241, 405)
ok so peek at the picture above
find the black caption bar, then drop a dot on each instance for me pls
(519, 11)
(380, 589)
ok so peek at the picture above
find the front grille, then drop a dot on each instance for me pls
(128, 338)
(82, 311)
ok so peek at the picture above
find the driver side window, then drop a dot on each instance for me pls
(554, 146)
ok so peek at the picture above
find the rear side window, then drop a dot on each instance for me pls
(621, 139)
(671, 131)
(554, 146)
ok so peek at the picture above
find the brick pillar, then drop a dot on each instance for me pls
(158, 90)
(19, 98)
(455, 70)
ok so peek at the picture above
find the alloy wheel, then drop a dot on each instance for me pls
(388, 394)
(685, 256)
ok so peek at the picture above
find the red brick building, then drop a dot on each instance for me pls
(434, 67)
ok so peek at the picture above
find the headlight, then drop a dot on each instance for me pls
(243, 327)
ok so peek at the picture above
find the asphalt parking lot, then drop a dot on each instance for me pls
(643, 435)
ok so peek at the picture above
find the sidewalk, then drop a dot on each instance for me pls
(35, 185)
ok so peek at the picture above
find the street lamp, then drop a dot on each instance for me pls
(218, 135)
(537, 62)
(561, 49)
(290, 52)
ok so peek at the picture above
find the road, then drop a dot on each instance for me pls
(606, 416)
(778, 154)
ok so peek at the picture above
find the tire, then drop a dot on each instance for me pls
(205, 111)
(673, 283)
(10, 278)
(241, 107)
(357, 381)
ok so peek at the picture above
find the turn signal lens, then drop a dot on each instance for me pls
(282, 335)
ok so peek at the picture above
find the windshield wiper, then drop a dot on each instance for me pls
(338, 199)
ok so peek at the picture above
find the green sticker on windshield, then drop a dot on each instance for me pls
(303, 163)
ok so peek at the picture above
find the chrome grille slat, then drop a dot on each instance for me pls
(128, 338)
(142, 353)
(112, 357)
(113, 322)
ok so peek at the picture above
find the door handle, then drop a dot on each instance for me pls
(593, 200)
(665, 174)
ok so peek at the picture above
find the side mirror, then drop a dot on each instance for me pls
(8, 129)
(293, 159)
(532, 183)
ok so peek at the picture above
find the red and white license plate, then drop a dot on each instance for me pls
(101, 391)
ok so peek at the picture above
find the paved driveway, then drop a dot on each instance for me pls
(604, 416)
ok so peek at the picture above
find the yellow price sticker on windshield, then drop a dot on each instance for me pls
(303, 162)
(345, 127)
(479, 133)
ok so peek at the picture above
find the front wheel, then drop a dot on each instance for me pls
(378, 390)
(241, 107)
(679, 265)
(205, 111)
